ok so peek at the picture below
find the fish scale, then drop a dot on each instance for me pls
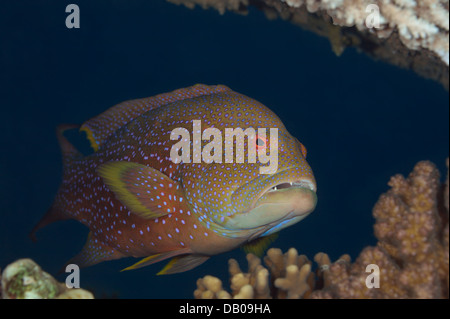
(137, 202)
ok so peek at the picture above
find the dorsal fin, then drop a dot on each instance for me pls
(99, 128)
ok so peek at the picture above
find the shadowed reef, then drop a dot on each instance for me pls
(409, 34)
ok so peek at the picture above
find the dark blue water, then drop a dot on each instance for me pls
(361, 120)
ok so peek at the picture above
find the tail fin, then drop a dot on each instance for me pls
(53, 214)
(69, 155)
(68, 151)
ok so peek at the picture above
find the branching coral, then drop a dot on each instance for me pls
(409, 33)
(221, 6)
(290, 274)
(420, 24)
(294, 273)
(412, 253)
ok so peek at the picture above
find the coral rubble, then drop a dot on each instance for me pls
(413, 34)
(24, 279)
(412, 253)
(221, 6)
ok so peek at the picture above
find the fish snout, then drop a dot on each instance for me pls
(285, 207)
(278, 207)
(303, 201)
(297, 200)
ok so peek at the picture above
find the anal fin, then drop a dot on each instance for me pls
(183, 263)
(94, 252)
(157, 258)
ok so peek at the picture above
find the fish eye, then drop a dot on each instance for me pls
(260, 142)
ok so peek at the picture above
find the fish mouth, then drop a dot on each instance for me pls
(285, 185)
(302, 183)
(280, 203)
(277, 225)
(278, 207)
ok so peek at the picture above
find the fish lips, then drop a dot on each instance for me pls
(278, 208)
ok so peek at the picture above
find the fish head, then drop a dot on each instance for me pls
(254, 196)
(269, 203)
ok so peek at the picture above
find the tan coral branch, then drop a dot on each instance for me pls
(412, 253)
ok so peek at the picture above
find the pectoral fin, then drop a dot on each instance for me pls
(144, 190)
(259, 245)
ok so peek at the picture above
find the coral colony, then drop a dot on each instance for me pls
(412, 34)
(212, 151)
(412, 254)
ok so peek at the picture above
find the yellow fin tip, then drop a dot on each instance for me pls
(90, 137)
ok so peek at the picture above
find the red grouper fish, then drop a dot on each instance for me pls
(143, 194)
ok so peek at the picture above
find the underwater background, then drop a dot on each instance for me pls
(362, 121)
